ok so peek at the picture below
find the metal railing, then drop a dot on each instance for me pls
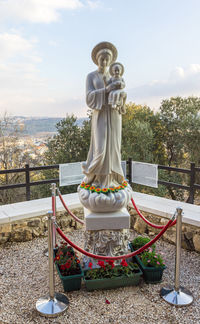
(191, 188)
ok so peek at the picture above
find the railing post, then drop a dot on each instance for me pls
(28, 191)
(190, 199)
(130, 170)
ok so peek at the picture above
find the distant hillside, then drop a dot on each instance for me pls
(32, 125)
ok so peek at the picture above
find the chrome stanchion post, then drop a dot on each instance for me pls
(177, 295)
(55, 303)
(53, 199)
(53, 189)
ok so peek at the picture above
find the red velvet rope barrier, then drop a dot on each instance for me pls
(67, 209)
(148, 222)
(126, 256)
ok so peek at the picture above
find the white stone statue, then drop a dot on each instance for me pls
(103, 166)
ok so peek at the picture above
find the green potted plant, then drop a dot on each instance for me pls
(150, 262)
(68, 267)
(108, 276)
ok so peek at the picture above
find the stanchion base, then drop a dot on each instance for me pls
(182, 297)
(52, 307)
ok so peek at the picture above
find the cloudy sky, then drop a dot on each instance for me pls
(45, 48)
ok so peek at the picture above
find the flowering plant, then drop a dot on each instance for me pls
(151, 259)
(148, 257)
(67, 260)
(108, 269)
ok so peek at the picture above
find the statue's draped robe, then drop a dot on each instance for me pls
(103, 165)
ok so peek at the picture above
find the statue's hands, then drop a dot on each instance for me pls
(113, 86)
(118, 83)
(110, 87)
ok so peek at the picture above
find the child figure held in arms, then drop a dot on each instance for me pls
(117, 97)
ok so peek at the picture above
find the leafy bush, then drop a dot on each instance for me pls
(140, 241)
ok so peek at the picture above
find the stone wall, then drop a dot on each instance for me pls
(190, 233)
(27, 229)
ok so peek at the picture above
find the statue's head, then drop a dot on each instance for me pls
(116, 69)
(103, 54)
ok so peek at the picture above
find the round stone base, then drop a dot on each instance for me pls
(100, 202)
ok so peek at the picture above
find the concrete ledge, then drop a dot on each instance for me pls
(155, 205)
(166, 207)
(33, 208)
(103, 221)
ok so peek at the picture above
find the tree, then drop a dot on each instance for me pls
(141, 138)
(70, 144)
(180, 119)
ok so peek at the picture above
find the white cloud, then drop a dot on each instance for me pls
(19, 75)
(36, 11)
(94, 4)
(53, 43)
(12, 44)
(181, 82)
(36, 103)
(22, 89)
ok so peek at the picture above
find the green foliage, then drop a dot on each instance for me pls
(70, 144)
(180, 119)
(137, 135)
(140, 241)
(141, 135)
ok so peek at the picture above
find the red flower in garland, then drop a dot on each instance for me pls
(92, 188)
(62, 267)
(125, 183)
(77, 261)
(112, 189)
(101, 264)
(124, 263)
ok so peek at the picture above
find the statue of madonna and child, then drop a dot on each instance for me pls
(104, 188)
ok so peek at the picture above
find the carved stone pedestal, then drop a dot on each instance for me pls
(106, 234)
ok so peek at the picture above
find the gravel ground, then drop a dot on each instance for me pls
(24, 279)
